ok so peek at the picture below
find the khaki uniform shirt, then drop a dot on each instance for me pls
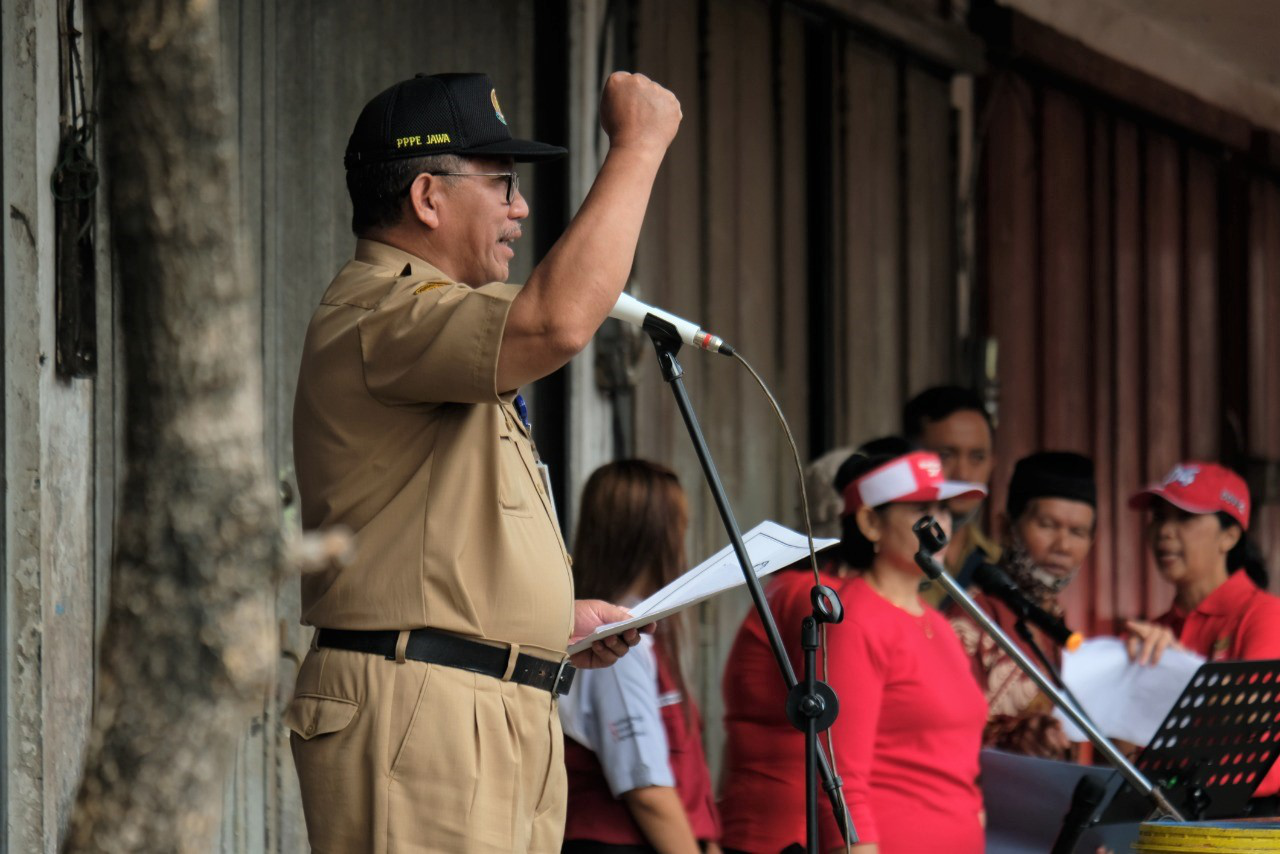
(401, 435)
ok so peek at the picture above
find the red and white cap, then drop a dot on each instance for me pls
(1200, 488)
(912, 477)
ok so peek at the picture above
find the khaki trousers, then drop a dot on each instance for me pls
(407, 758)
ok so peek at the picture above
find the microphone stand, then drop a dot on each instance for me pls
(932, 540)
(811, 705)
(1024, 632)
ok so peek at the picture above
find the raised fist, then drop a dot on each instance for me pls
(637, 112)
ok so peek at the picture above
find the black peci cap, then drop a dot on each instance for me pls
(438, 114)
(1051, 474)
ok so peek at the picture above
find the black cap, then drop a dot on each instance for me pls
(1051, 474)
(438, 114)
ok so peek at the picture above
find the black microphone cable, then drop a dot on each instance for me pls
(844, 819)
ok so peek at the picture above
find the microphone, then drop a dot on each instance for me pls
(1088, 794)
(631, 310)
(994, 582)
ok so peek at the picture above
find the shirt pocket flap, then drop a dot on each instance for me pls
(310, 715)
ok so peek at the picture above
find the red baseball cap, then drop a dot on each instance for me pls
(1200, 488)
(912, 477)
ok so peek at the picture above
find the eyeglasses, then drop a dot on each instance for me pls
(513, 180)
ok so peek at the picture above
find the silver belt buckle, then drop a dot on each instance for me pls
(560, 675)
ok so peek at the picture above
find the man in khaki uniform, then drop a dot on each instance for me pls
(424, 716)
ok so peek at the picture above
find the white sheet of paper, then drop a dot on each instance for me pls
(770, 547)
(1124, 700)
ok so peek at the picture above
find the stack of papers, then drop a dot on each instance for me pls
(770, 547)
(1124, 700)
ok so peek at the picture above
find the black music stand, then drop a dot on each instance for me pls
(1215, 746)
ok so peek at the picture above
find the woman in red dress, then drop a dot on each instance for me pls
(907, 738)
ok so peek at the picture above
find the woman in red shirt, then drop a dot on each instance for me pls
(911, 716)
(1197, 519)
(1196, 523)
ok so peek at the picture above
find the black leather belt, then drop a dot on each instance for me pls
(435, 647)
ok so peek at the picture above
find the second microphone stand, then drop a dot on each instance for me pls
(811, 705)
(932, 540)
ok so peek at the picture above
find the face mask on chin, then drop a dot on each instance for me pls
(1039, 585)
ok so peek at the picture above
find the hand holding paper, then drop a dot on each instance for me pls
(589, 615)
(1125, 700)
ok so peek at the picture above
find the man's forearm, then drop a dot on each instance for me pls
(579, 280)
(570, 293)
(588, 266)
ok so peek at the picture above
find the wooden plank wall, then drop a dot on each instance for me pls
(726, 244)
(300, 72)
(723, 245)
(1106, 273)
(1263, 368)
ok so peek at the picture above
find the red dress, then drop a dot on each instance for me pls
(1235, 622)
(906, 740)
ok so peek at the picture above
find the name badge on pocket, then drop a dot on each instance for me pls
(544, 471)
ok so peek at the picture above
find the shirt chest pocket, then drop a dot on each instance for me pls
(675, 721)
(515, 484)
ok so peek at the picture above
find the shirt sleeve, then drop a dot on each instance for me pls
(627, 734)
(859, 672)
(1260, 629)
(438, 345)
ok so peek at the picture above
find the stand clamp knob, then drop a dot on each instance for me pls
(822, 706)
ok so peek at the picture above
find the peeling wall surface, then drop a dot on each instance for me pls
(50, 574)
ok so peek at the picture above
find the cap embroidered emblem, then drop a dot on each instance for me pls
(1182, 475)
(497, 111)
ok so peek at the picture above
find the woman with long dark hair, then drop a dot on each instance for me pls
(911, 714)
(638, 780)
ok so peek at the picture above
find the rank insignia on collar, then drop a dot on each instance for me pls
(429, 286)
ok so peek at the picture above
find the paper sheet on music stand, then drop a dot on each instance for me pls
(770, 547)
(1125, 700)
